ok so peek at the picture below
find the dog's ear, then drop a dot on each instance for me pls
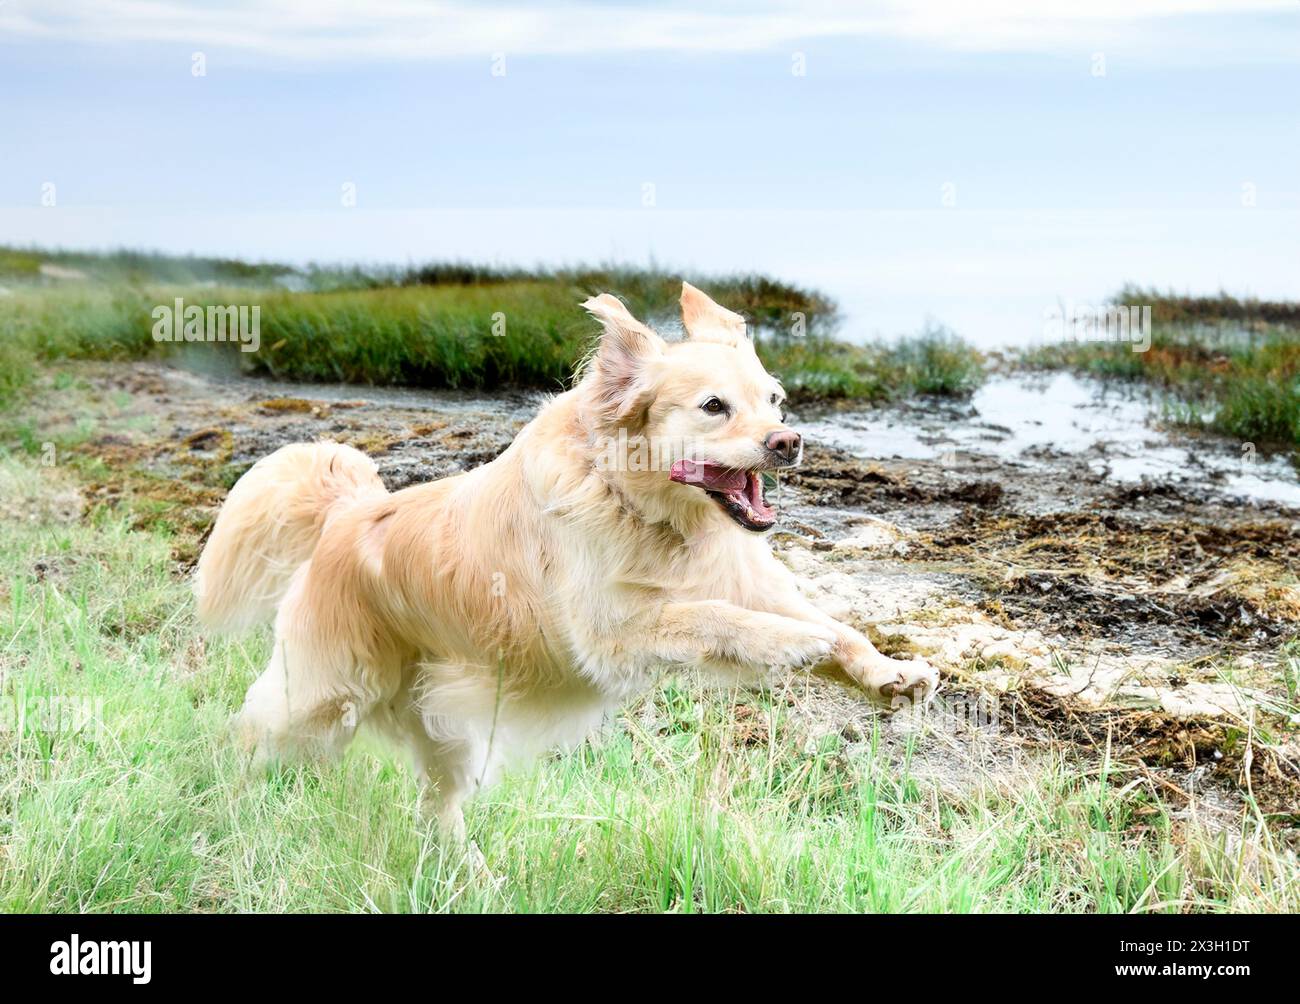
(706, 321)
(620, 366)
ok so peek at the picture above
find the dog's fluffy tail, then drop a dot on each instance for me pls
(269, 526)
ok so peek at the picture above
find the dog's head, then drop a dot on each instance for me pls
(687, 427)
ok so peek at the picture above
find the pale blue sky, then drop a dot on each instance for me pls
(1065, 182)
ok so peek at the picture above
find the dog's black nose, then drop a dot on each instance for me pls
(784, 442)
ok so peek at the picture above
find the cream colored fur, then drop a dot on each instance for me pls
(505, 611)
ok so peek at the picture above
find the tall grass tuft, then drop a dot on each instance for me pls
(1232, 367)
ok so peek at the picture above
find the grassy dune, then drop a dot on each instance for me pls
(442, 325)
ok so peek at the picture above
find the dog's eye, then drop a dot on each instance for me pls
(713, 406)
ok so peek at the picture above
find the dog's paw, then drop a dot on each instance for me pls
(800, 646)
(899, 683)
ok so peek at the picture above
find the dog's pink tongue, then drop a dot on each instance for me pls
(712, 477)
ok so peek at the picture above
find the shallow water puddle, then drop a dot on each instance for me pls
(1050, 421)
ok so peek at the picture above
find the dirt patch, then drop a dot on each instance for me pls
(1188, 581)
(1184, 756)
(47, 497)
(168, 444)
(831, 477)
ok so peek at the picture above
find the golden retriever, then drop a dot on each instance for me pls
(505, 611)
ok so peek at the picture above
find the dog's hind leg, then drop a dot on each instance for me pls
(443, 767)
(446, 781)
(445, 770)
(314, 693)
(285, 719)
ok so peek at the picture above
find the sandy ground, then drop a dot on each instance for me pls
(1056, 600)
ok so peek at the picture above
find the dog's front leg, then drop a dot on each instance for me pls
(714, 633)
(887, 681)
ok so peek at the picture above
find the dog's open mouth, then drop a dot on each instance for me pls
(739, 493)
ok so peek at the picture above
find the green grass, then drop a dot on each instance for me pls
(1184, 309)
(135, 267)
(1221, 375)
(444, 325)
(934, 362)
(681, 805)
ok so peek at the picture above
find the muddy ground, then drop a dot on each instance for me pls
(1061, 605)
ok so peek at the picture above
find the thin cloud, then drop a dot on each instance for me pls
(342, 30)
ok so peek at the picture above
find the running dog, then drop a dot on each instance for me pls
(507, 610)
